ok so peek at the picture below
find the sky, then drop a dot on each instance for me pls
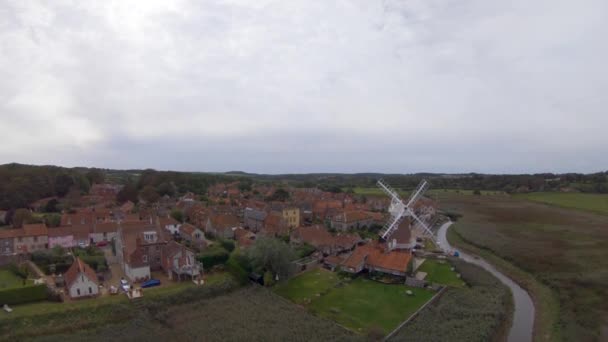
(306, 86)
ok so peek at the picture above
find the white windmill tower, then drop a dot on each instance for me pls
(400, 210)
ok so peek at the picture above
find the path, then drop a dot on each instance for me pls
(523, 315)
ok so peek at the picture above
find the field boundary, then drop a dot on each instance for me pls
(412, 316)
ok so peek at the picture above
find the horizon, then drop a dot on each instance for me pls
(294, 87)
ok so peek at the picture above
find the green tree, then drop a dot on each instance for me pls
(127, 193)
(269, 254)
(52, 206)
(21, 216)
(63, 183)
(149, 194)
(95, 176)
(280, 195)
(52, 220)
(178, 215)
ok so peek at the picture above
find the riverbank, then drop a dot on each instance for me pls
(522, 327)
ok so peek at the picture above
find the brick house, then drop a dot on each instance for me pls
(222, 225)
(351, 220)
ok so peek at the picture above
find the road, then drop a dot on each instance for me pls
(523, 315)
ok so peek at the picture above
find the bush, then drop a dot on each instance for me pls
(227, 244)
(237, 270)
(26, 294)
(213, 256)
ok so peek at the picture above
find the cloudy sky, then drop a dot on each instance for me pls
(306, 86)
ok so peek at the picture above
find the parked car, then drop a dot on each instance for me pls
(150, 283)
(102, 243)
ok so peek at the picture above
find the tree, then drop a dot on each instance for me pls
(63, 183)
(52, 220)
(476, 192)
(178, 215)
(166, 188)
(149, 194)
(280, 195)
(21, 216)
(95, 176)
(51, 206)
(269, 254)
(127, 193)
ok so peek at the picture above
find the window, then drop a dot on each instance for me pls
(145, 258)
(20, 239)
(78, 291)
(157, 248)
(90, 290)
(35, 239)
(105, 235)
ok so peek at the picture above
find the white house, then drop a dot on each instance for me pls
(81, 280)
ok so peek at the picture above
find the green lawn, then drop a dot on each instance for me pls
(591, 202)
(9, 280)
(360, 304)
(307, 285)
(364, 304)
(440, 273)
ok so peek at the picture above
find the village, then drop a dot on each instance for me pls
(102, 247)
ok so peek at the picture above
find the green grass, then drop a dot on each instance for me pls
(8, 279)
(364, 304)
(559, 255)
(597, 203)
(440, 273)
(307, 285)
(359, 305)
(38, 308)
(405, 193)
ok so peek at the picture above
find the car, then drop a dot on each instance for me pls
(102, 243)
(150, 283)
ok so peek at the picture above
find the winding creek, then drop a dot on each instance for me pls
(523, 315)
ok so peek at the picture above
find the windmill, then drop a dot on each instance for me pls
(399, 210)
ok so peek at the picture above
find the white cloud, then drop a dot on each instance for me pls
(457, 85)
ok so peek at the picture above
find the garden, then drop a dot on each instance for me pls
(360, 304)
(16, 288)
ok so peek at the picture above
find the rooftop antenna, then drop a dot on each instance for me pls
(399, 210)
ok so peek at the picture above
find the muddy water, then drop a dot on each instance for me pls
(523, 316)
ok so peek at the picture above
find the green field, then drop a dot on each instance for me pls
(440, 273)
(560, 255)
(597, 203)
(405, 193)
(307, 285)
(360, 304)
(8, 279)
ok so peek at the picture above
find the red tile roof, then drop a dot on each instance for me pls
(78, 267)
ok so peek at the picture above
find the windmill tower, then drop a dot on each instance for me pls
(399, 209)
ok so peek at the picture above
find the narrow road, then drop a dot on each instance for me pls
(523, 315)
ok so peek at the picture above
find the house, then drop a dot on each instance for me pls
(402, 237)
(170, 224)
(222, 225)
(138, 248)
(179, 262)
(351, 220)
(193, 234)
(7, 241)
(325, 208)
(103, 231)
(61, 236)
(81, 280)
(291, 215)
(275, 225)
(376, 257)
(31, 238)
(244, 238)
(318, 237)
(254, 219)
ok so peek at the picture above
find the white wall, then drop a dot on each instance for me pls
(83, 283)
(137, 272)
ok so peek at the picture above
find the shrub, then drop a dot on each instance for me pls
(227, 244)
(213, 256)
(26, 294)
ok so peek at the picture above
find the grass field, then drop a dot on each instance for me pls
(360, 304)
(307, 285)
(477, 313)
(405, 193)
(440, 273)
(560, 255)
(8, 279)
(364, 304)
(597, 203)
(248, 314)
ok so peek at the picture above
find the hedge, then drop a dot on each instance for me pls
(26, 294)
(213, 256)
